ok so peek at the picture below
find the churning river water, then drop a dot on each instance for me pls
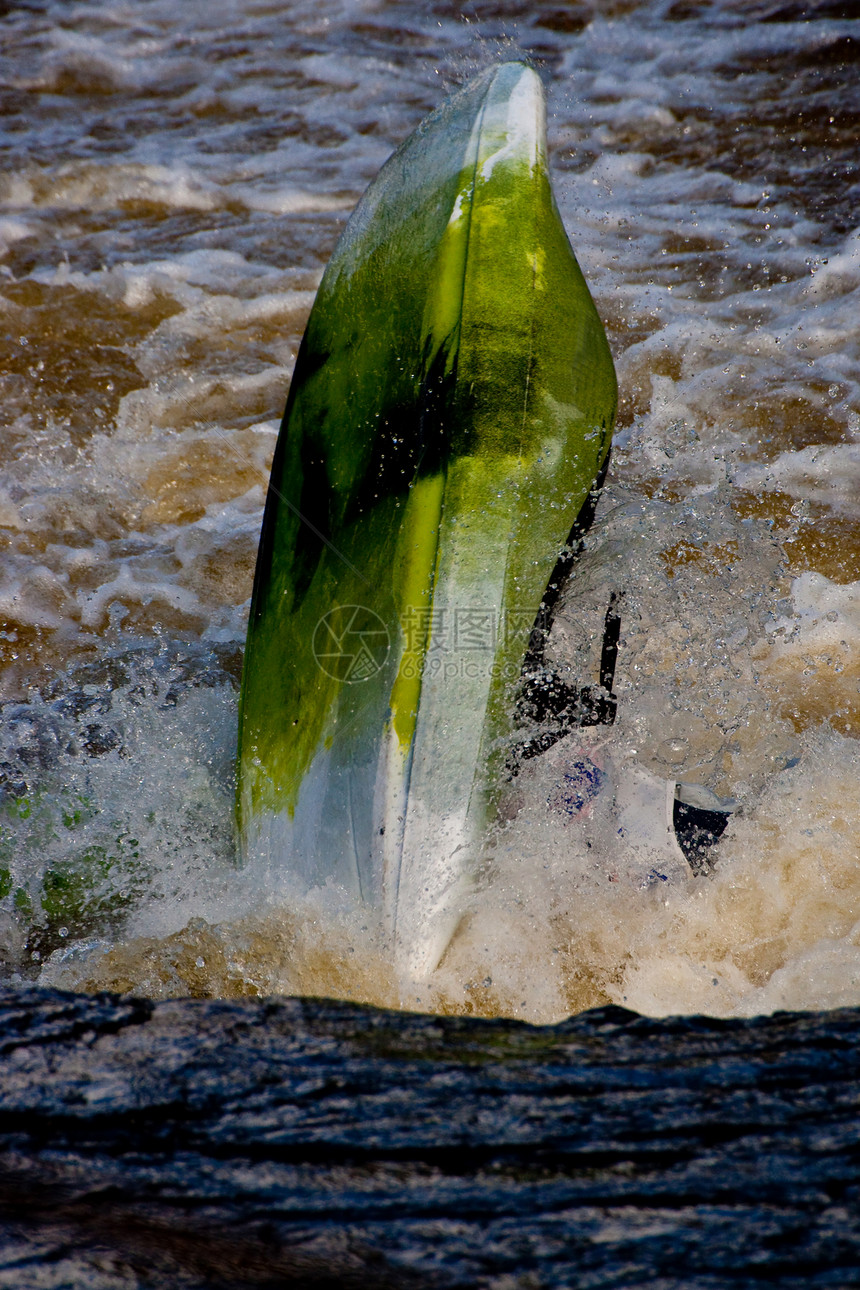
(173, 180)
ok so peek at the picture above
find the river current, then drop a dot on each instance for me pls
(173, 180)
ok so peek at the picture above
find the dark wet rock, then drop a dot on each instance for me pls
(36, 735)
(100, 740)
(304, 1142)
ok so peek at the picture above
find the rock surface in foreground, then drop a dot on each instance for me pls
(303, 1142)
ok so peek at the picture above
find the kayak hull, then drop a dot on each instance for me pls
(451, 407)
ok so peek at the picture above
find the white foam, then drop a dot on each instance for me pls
(96, 187)
(824, 473)
(288, 200)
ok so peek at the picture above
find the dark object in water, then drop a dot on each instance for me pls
(302, 1142)
(697, 830)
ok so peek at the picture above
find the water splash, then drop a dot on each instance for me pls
(160, 241)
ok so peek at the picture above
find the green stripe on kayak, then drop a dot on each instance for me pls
(451, 407)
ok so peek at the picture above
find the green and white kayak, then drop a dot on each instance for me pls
(451, 407)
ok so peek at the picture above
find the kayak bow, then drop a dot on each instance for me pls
(451, 407)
